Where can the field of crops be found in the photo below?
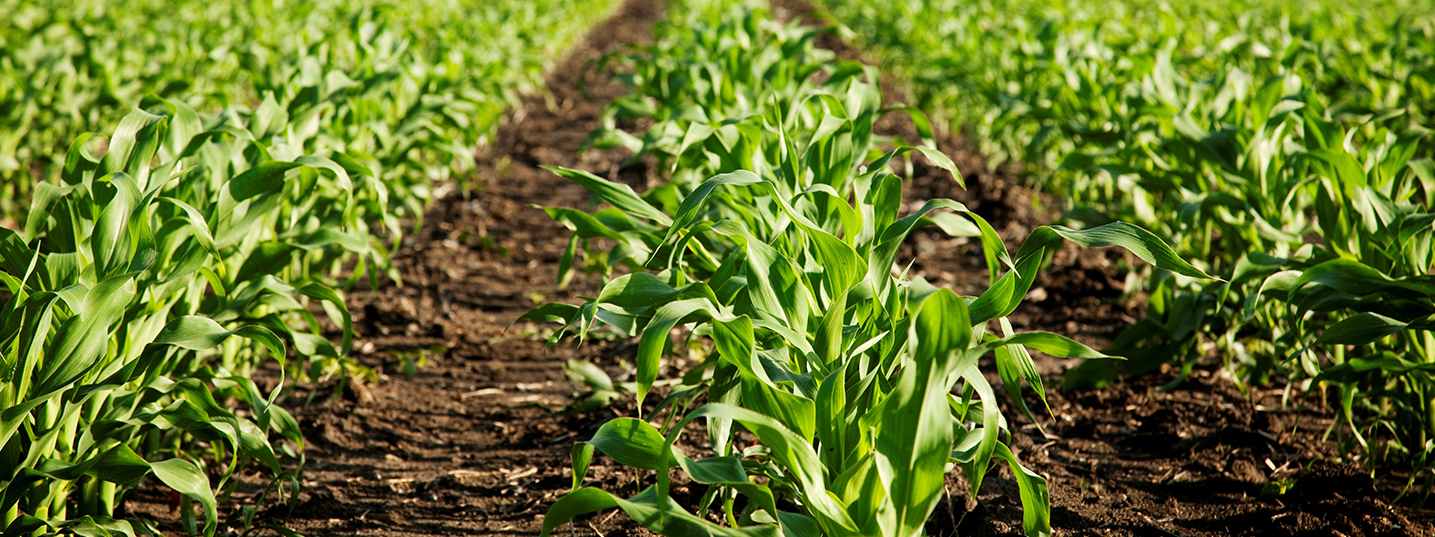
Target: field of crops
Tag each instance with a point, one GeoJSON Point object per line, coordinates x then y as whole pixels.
{"type": "Point", "coordinates": [707, 267]}
{"type": "Point", "coordinates": [1285, 150]}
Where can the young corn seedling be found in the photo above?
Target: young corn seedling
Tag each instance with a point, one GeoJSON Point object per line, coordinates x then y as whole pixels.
{"type": "Point", "coordinates": [426, 83]}
{"type": "Point", "coordinates": [856, 381]}
{"type": "Point", "coordinates": [1355, 309]}
{"type": "Point", "coordinates": [141, 298]}
{"type": "Point", "coordinates": [1266, 142]}
{"type": "Point", "coordinates": [138, 300]}
{"type": "Point", "coordinates": [860, 385]}
{"type": "Point", "coordinates": [1190, 120]}
{"type": "Point", "coordinates": [719, 65]}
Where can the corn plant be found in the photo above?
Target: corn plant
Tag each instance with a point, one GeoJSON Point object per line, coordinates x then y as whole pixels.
{"type": "Point", "coordinates": [1186, 119]}
{"type": "Point", "coordinates": [1353, 311]}
{"type": "Point", "coordinates": [860, 386]}
{"type": "Point", "coordinates": [1043, 79]}
{"type": "Point", "coordinates": [139, 299]}
{"type": "Point", "coordinates": [718, 65]}
{"type": "Point", "coordinates": [423, 83]}
{"type": "Point", "coordinates": [856, 382]}
{"type": "Point", "coordinates": [1284, 147]}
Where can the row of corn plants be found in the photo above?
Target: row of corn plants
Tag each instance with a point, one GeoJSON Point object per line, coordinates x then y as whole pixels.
{"type": "Point", "coordinates": [836, 389]}
{"type": "Point", "coordinates": [1285, 150]}
{"type": "Point", "coordinates": [415, 85]}
{"type": "Point", "coordinates": [276, 151]}
{"type": "Point", "coordinates": [141, 298]}
{"type": "Point", "coordinates": [1040, 80]}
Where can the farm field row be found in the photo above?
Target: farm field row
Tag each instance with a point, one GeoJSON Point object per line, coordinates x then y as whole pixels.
{"type": "Point", "coordinates": [414, 86]}
{"type": "Point", "coordinates": [261, 160]}
{"type": "Point", "coordinates": [773, 242]}
{"type": "Point", "coordinates": [1285, 149]}
{"type": "Point", "coordinates": [708, 270]}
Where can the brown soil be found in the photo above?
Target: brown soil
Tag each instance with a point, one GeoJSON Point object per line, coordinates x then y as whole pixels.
{"type": "Point", "coordinates": [1195, 461]}
{"type": "Point", "coordinates": [475, 441]}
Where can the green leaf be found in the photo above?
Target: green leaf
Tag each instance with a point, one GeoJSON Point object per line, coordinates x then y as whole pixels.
{"type": "Point", "coordinates": [269, 119]}
{"type": "Point", "coordinates": [575, 504]}
{"type": "Point", "coordinates": [1049, 343]}
{"type": "Point", "coordinates": [184, 477]}
{"type": "Point", "coordinates": [589, 374]}
{"type": "Point", "coordinates": [1347, 169]}
{"type": "Point", "coordinates": [42, 203]}
{"type": "Point", "coordinates": [688, 211]}
{"type": "Point", "coordinates": [346, 322]}
{"type": "Point", "coordinates": [16, 256]}
{"type": "Point", "coordinates": [787, 449]}
{"type": "Point", "coordinates": [1360, 329]}
{"type": "Point", "coordinates": [1035, 503]}
{"type": "Point", "coordinates": [198, 225]}
{"type": "Point", "coordinates": [81, 342]}
{"type": "Point", "coordinates": [111, 241]}
{"type": "Point", "coordinates": [914, 433]}
{"type": "Point", "coordinates": [631, 442]}
{"type": "Point", "coordinates": [618, 194]}
{"type": "Point", "coordinates": [1353, 277]}
{"type": "Point", "coordinates": [1144, 244]}
{"type": "Point", "coordinates": [551, 313]}
{"type": "Point", "coordinates": [582, 456]}
{"type": "Point", "coordinates": [268, 259]}
{"type": "Point", "coordinates": [656, 335]}
{"type": "Point", "coordinates": [261, 179]}
{"type": "Point", "coordinates": [134, 144]}
{"type": "Point", "coordinates": [641, 291]}
{"type": "Point", "coordinates": [940, 329]}
{"type": "Point", "coordinates": [192, 332]}
{"type": "Point", "coordinates": [714, 470]}
{"type": "Point", "coordinates": [661, 515]}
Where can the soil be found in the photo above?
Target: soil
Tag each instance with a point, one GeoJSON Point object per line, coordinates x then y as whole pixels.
{"type": "Point", "coordinates": [473, 438]}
